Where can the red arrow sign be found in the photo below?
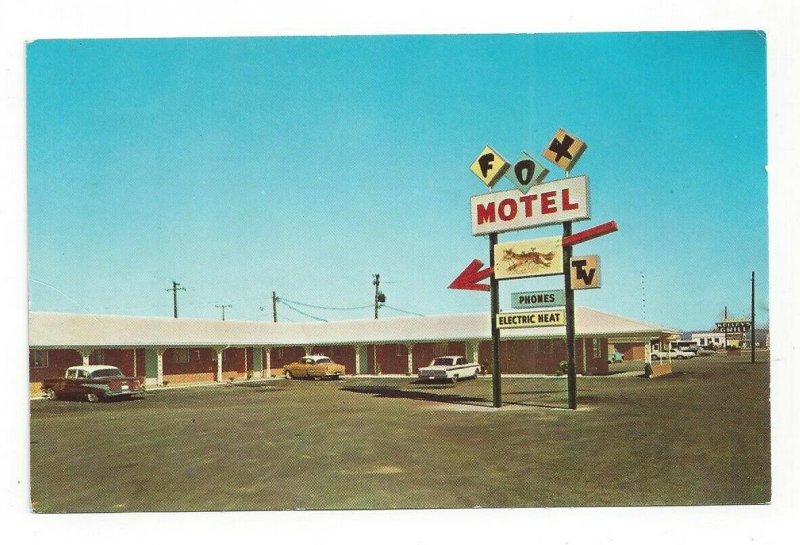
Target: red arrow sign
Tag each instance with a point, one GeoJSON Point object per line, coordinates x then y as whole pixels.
{"type": "Point", "coordinates": [469, 277]}
{"type": "Point", "coordinates": [589, 234]}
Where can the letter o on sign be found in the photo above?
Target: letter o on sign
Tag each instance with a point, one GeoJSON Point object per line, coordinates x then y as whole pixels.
{"type": "Point", "coordinates": [507, 209]}
{"type": "Point", "coordinates": [524, 170]}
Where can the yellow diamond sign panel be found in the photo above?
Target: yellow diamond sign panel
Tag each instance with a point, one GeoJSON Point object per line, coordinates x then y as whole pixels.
{"type": "Point", "coordinates": [564, 150]}
{"type": "Point", "coordinates": [489, 166]}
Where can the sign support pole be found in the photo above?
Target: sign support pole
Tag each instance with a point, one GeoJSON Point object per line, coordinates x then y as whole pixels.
{"type": "Point", "coordinates": [569, 299]}
{"type": "Point", "coordinates": [753, 317]}
{"type": "Point", "coordinates": [494, 286]}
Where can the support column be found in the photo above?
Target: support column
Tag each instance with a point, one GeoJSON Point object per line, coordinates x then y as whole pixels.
{"type": "Point", "coordinates": [584, 356]}
{"type": "Point", "coordinates": [219, 364]}
{"type": "Point", "coordinates": [358, 359]}
{"type": "Point", "coordinates": [475, 349]}
{"type": "Point", "coordinates": [85, 355]}
{"type": "Point", "coordinates": [410, 350]}
{"type": "Point", "coordinates": [160, 375]}
{"type": "Point", "coordinates": [269, 361]}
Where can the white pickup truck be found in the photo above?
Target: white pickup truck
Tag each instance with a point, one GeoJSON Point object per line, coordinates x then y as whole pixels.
{"type": "Point", "coordinates": [450, 368]}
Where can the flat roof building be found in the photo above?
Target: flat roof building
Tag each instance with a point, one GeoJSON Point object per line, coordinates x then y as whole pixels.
{"type": "Point", "coordinates": [195, 350]}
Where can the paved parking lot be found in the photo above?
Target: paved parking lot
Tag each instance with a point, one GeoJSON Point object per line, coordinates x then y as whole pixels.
{"type": "Point", "coordinates": [698, 437]}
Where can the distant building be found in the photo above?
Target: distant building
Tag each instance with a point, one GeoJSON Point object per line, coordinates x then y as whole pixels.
{"type": "Point", "coordinates": [735, 340]}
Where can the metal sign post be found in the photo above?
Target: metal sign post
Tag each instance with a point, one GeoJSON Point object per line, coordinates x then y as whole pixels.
{"type": "Point", "coordinates": [494, 287]}
{"type": "Point", "coordinates": [569, 297]}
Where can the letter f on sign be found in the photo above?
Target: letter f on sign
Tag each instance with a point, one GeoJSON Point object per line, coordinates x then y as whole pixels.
{"type": "Point", "coordinates": [485, 163]}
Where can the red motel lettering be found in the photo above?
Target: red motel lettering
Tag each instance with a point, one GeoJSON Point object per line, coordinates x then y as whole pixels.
{"type": "Point", "coordinates": [507, 209]}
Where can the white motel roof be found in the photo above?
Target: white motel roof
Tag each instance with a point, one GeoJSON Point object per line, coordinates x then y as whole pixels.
{"type": "Point", "coordinates": [54, 330]}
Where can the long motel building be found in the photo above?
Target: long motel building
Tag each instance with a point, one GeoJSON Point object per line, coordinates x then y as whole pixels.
{"type": "Point", "coordinates": [169, 351]}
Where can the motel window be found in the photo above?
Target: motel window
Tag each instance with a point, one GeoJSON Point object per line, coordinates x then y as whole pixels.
{"type": "Point", "coordinates": [596, 348]}
{"type": "Point", "coordinates": [97, 357]}
{"type": "Point", "coordinates": [40, 359]}
{"type": "Point", "coordinates": [400, 350]}
{"type": "Point", "coordinates": [440, 349]}
{"type": "Point", "coordinates": [181, 355]}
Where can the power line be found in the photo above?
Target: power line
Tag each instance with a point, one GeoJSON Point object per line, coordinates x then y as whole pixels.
{"type": "Point", "coordinates": [401, 310]}
{"type": "Point", "coordinates": [283, 301]}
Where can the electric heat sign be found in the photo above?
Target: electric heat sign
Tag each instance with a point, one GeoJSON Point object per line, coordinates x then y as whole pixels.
{"type": "Point", "coordinates": [544, 204]}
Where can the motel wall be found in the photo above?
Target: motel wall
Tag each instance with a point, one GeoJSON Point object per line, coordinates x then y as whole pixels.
{"type": "Point", "coordinates": [200, 364]}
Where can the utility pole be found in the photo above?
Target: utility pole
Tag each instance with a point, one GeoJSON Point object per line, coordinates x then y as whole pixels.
{"type": "Point", "coordinates": [174, 289]}
{"type": "Point", "coordinates": [379, 296]}
{"type": "Point", "coordinates": [753, 317]}
{"type": "Point", "coordinates": [223, 310]}
{"type": "Point", "coordinates": [726, 329]}
{"type": "Point", "coordinates": [274, 307]}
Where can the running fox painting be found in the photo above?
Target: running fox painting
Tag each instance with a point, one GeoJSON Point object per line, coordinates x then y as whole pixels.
{"type": "Point", "coordinates": [538, 257]}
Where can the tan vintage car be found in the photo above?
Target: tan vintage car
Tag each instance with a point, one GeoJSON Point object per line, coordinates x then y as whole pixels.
{"type": "Point", "coordinates": [316, 367]}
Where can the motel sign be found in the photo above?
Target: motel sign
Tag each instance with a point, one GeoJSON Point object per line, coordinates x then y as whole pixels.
{"type": "Point", "coordinates": [545, 204]}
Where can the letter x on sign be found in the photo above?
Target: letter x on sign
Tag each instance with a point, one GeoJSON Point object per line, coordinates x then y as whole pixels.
{"type": "Point", "coordinates": [564, 150]}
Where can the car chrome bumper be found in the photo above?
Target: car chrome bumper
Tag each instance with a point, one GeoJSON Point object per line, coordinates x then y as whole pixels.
{"type": "Point", "coordinates": [122, 393]}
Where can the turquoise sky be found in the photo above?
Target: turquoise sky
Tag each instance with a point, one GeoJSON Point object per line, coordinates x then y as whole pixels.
{"type": "Point", "coordinates": [243, 166]}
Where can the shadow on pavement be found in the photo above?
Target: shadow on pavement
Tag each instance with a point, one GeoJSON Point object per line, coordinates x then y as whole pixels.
{"type": "Point", "coordinates": [397, 393]}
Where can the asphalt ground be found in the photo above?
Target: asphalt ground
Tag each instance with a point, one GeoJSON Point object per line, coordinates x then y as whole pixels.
{"type": "Point", "coordinates": [698, 437]}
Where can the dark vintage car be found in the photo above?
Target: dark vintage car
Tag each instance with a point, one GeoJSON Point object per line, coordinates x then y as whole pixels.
{"type": "Point", "coordinates": [92, 383]}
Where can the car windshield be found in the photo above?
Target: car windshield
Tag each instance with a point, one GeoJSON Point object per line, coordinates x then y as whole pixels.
{"type": "Point", "coordinates": [322, 360]}
{"type": "Point", "coordinates": [100, 373]}
{"type": "Point", "coordinates": [443, 361]}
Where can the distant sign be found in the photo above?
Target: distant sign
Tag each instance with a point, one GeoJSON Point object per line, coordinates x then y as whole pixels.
{"type": "Point", "coordinates": [584, 272]}
{"type": "Point", "coordinates": [541, 318]}
{"type": "Point", "coordinates": [537, 299]}
{"type": "Point", "coordinates": [564, 150]}
{"type": "Point", "coordinates": [521, 259]}
{"type": "Point", "coordinates": [733, 327]}
{"type": "Point", "coordinates": [526, 173]}
{"type": "Point", "coordinates": [489, 166]}
{"type": "Point", "coordinates": [545, 204]}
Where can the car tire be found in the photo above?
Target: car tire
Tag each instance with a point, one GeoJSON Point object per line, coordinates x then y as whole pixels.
{"type": "Point", "coordinates": [49, 394]}
{"type": "Point", "coordinates": [92, 397]}
{"type": "Point", "coordinates": [287, 375]}
{"type": "Point", "coordinates": [454, 379]}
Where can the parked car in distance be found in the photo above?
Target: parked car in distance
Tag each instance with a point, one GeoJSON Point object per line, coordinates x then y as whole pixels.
{"type": "Point", "coordinates": [698, 350]}
{"type": "Point", "coordinates": [615, 357]}
{"type": "Point", "coordinates": [92, 383]}
{"type": "Point", "coordinates": [673, 354]}
{"type": "Point", "coordinates": [316, 367]}
{"type": "Point", "coordinates": [450, 368]}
